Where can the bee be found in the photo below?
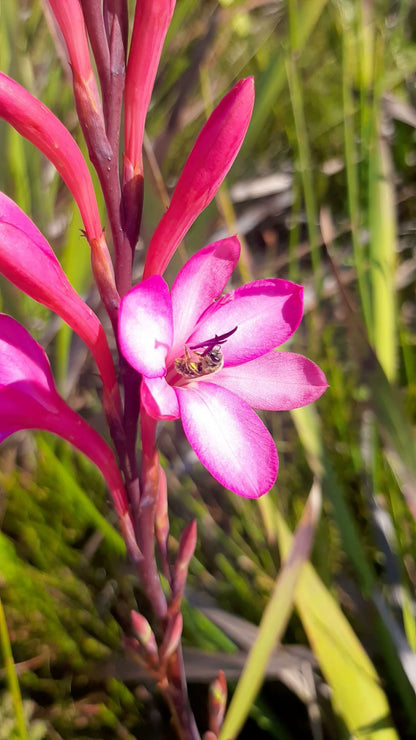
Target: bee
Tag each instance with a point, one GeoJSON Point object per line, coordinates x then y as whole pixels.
{"type": "Point", "coordinates": [197, 364]}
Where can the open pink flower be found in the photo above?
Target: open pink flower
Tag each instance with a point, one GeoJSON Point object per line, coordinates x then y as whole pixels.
{"type": "Point", "coordinates": [29, 400]}
{"type": "Point", "coordinates": [210, 359]}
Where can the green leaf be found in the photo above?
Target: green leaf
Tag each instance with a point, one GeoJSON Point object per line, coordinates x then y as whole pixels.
{"type": "Point", "coordinates": [274, 620]}
{"type": "Point", "coordinates": [355, 684]}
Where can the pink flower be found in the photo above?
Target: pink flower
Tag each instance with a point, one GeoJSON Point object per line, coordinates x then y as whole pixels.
{"type": "Point", "coordinates": [29, 400]}
{"type": "Point", "coordinates": [210, 359]}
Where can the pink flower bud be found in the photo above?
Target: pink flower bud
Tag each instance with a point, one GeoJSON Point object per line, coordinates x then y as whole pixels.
{"type": "Point", "coordinates": [151, 22]}
{"type": "Point", "coordinates": [172, 637]}
{"type": "Point", "coordinates": [70, 19]}
{"type": "Point", "coordinates": [186, 550]}
{"type": "Point", "coordinates": [208, 163]}
{"type": "Point", "coordinates": [144, 634]}
{"type": "Point", "coordinates": [161, 515]}
{"type": "Point", "coordinates": [217, 703]}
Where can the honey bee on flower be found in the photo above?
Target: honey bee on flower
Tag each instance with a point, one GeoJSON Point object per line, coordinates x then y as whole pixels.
{"type": "Point", "coordinates": [209, 361]}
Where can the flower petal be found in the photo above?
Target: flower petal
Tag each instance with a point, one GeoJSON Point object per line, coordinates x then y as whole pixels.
{"type": "Point", "coordinates": [29, 400]}
{"type": "Point", "coordinates": [266, 312]}
{"type": "Point", "coordinates": [145, 326]}
{"type": "Point", "coordinates": [38, 124]}
{"type": "Point", "coordinates": [277, 381]}
{"type": "Point", "coordinates": [21, 358]}
{"type": "Point", "coordinates": [159, 399]}
{"type": "Point", "coordinates": [208, 163]}
{"type": "Point", "coordinates": [199, 283]}
{"type": "Point", "coordinates": [51, 414]}
{"type": "Point", "coordinates": [228, 438]}
{"type": "Point", "coordinates": [27, 260]}
{"type": "Point", "coordinates": [22, 407]}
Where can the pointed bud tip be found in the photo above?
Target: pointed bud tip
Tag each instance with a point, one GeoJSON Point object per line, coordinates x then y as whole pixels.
{"type": "Point", "coordinates": [144, 633]}
{"type": "Point", "coordinates": [187, 543]}
{"type": "Point", "coordinates": [172, 636]}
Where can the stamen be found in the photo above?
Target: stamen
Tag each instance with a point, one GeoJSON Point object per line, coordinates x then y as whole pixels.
{"type": "Point", "coordinates": [210, 343]}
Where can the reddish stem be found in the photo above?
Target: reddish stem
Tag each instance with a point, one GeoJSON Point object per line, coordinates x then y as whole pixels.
{"type": "Point", "coordinates": [146, 516]}
{"type": "Point", "coordinates": [176, 694]}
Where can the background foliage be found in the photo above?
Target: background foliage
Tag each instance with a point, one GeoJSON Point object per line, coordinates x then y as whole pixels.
{"type": "Point", "coordinates": [323, 193]}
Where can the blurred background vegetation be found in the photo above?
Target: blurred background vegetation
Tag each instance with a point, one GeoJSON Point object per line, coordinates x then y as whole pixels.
{"type": "Point", "coordinates": [323, 192]}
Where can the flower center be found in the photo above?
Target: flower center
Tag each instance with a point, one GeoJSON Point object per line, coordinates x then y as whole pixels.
{"type": "Point", "coordinates": [197, 364]}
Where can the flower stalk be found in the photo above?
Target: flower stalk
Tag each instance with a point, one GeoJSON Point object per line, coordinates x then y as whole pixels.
{"type": "Point", "coordinates": [185, 351]}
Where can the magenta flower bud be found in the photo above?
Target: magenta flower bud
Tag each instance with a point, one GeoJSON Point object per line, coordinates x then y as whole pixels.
{"type": "Point", "coordinates": [70, 18]}
{"type": "Point", "coordinates": [27, 260]}
{"type": "Point", "coordinates": [36, 123]}
{"type": "Point", "coordinates": [208, 163]}
{"type": "Point", "coordinates": [29, 400]}
{"type": "Point", "coordinates": [151, 22]}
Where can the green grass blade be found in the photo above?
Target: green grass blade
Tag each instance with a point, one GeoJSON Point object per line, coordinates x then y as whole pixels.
{"type": "Point", "coordinates": [383, 257]}
{"type": "Point", "coordinates": [351, 166]}
{"type": "Point", "coordinates": [309, 429]}
{"type": "Point", "coordinates": [270, 85]}
{"type": "Point", "coordinates": [11, 676]}
{"type": "Point", "coordinates": [274, 620]}
{"type": "Point", "coordinates": [305, 165]}
{"type": "Point", "coordinates": [308, 426]}
{"type": "Point", "coordinates": [357, 693]}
